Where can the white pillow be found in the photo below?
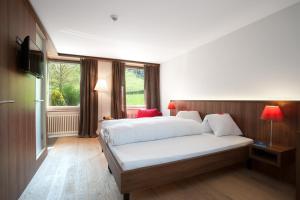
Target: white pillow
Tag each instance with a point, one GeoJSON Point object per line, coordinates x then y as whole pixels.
{"type": "Point", "coordinates": [205, 125]}
{"type": "Point", "coordinates": [223, 124]}
{"type": "Point", "coordinates": [194, 115]}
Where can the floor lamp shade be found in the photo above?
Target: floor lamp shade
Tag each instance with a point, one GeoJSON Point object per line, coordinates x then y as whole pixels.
{"type": "Point", "coordinates": [101, 85]}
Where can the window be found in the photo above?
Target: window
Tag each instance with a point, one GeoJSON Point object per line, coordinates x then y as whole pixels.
{"type": "Point", "coordinates": [134, 77]}
{"type": "Point", "coordinates": [64, 83]}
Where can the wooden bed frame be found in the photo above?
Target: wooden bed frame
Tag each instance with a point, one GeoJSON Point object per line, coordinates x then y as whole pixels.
{"type": "Point", "coordinates": [245, 113]}
{"type": "Point", "coordinates": [147, 177]}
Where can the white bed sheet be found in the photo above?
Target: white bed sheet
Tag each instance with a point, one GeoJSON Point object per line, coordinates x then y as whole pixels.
{"type": "Point", "coordinates": [142, 154]}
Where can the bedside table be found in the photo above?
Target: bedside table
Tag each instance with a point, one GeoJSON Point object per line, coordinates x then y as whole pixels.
{"type": "Point", "coordinates": [277, 156]}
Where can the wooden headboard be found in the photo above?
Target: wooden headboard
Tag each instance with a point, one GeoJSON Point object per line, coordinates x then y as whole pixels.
{"type": "Point", "coordinates": [247, 116]}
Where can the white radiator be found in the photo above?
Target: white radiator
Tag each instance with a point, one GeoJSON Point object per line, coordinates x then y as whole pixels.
{"type": "Point", "coordinates": [60, 124]}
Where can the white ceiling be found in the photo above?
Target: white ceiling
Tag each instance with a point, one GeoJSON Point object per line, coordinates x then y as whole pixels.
{"type": "Point", "coordinates": [147, 30]}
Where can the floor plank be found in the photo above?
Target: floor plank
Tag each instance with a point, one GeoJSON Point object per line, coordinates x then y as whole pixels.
{"type": "Point", "coordinates": [77, 169]}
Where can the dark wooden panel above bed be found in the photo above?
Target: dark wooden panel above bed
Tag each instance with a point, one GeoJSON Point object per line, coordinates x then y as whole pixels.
{"type": "Point", "coordinates": [247, 115]}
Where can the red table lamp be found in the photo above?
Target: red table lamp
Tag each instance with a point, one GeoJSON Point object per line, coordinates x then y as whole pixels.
{"type": "Point", "coordinates": [171, 106]}
{"type": "Point", "coordinates": [272, 113]}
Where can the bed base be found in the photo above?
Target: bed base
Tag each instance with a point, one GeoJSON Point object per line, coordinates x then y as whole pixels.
{"type": "Point", "coordinates": [147, 177]}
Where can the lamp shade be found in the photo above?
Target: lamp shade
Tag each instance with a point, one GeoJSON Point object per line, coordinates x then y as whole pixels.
{"type": "Point", "coordinates": [101, 85]}
{"type": "Point", "coordinates": [171, 106]}
{"type": "Point", "coordinates": [272, 113]}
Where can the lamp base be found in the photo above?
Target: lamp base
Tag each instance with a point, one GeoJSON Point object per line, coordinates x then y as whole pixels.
{"type": "Point", "coordinates": [271, 133]}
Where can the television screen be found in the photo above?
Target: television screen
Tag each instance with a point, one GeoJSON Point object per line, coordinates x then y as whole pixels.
{"type": "Point", "coordinates": [32, 58]}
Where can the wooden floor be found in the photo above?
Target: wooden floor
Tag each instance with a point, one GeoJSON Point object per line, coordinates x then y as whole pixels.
{"type": "Point", "coordinates": [76, 169]}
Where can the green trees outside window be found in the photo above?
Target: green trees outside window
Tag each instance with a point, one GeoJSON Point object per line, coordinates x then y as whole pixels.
{"type": "Point", "coordinates": [64, 83]}
{"type": "Point", "coordinates": [134, 78]}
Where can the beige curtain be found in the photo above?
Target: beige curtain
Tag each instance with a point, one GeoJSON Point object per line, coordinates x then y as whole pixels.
{"type": "Point", "coordinates": [118, 96]}
{"type": "Point", "coordinates": [152, 86]}
{"type": "Point", "coordinates": [88, 98]}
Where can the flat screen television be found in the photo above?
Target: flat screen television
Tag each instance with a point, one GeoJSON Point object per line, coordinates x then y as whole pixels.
{"type": "Point", "coordinates": [31, 58]}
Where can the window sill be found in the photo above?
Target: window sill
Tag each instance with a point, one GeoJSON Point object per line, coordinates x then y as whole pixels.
{"type": "Point", "coordinates": [135, 107]}
{"type": "Point", "coordinates": [63, 108]}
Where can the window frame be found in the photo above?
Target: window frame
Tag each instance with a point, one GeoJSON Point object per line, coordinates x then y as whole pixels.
{"type": "Point", "coordinates": [134, 107]}
{"type": "Point", "coordinates": [59, 108]}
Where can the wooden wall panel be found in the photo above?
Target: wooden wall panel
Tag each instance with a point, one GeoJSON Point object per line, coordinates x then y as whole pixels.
{"type": "Point", "coordinates": [298, 156]}
{"type": "Point", "coordinates": [247, 116]}
{"type": "Point", "coordinates": [21, 114]}
{"type": "Point", "coordinates": [3, 96]}
{"type": "Point", "coordinates": [298, 166]}
{"type": "Point", "coordinates": [17, 120]}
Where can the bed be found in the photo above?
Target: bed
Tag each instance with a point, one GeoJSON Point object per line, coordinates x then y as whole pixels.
{"type": "Point", "coordinates": [145, 154]}
{"type": "Point", "coordinates": [146, 164]}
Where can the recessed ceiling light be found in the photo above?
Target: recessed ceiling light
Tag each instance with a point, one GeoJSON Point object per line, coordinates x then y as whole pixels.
{"type": "Point", "coordinates": [114, 17]}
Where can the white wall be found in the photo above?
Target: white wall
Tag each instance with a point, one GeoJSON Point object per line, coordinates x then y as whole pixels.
{"type": "Point", "coordinates": [104, 98]}
{"type": "Point", "coordinates": [258, 62]}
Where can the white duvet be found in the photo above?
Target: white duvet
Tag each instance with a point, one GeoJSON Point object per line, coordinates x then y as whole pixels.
{"type": "Point", "coordinates": [107, 123]}
{"type": "Point", "coordinates": [119, 132]}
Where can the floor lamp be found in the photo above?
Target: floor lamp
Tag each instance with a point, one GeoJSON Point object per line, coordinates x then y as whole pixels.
{"type": "Point", "coordinates": [101, 86]}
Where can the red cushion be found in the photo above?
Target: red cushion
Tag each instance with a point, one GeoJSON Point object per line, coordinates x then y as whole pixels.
{"type": "Point", "coordinates": [148, 113]}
